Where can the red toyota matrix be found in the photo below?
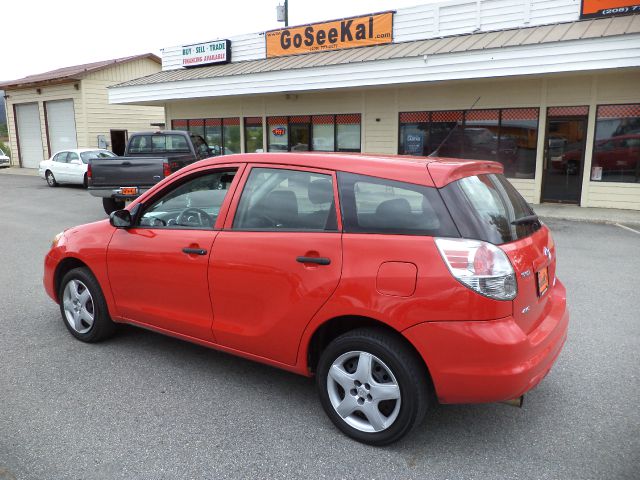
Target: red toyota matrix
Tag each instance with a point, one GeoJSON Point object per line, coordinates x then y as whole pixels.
{"type": "Point", "coordinates": [396, 282]}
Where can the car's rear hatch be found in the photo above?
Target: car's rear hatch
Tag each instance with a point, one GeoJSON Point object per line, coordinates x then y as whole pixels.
{"type": "Point", "coordinates": [126, 171]}
{"type": "Point", "coordinates": [487, 207]}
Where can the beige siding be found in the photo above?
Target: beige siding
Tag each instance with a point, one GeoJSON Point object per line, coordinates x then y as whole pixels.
{"type": "Point", "coordinates": [30, 95]}
{"type": "Point", "coordinates": [93, 114]}
{"type": "Point", "coordinates": [99, 117]}
{"type": "Point", "coordinates": [380, 108]}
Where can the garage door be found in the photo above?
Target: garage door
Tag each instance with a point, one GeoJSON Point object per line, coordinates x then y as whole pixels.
{"type": "Point", "coordinates": [62, 125]}
{"type": "Point", "coordinates": [29, 134]}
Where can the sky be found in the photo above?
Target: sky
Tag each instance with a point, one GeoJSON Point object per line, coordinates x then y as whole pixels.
{"type": "Point", "coordinates": [38, 36]}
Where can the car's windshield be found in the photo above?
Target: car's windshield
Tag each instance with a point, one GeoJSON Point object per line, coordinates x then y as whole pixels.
{"type": "Point", "coordinates": [86, 156]}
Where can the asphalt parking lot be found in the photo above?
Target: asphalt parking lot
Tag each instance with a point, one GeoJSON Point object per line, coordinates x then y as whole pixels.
{"type": "Point", "coordinates": [150, 407]}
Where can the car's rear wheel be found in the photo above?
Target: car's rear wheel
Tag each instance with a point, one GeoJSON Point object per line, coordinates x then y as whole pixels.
{"type": "Point", "coordinates": [111, 205]}
{"type": "Point", "coordinates": [51, 180]}
{"type": "Point", "coordinates": [83, 307]}
{"type": "Point", "coordinates": [372, 386]}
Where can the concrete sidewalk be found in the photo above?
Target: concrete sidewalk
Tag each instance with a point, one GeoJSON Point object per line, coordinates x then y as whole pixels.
{"type": "Point", "coordinates": [544, 210]}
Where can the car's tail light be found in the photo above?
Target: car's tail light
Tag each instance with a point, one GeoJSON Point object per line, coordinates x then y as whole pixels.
{"type": "Point", "coordinates": [166, 169]}
{"type": "Point", "coordinates": [480, 266]}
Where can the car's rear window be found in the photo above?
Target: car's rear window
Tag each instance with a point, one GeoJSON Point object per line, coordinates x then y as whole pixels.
{"type": "Point", "coordinates": [86, 156]}
{"type": "Point", "coordinates": [487, 207]}
{"type": "Point", "coordinates": [159, 144]}
{"type": "Point", "coordinates": [377, 205]}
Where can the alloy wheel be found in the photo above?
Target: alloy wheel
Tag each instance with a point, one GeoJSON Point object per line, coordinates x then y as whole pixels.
{"type": "Point", "coordinates": [78, 306]}
{"type": "Point", "coordinates": [364, 391]}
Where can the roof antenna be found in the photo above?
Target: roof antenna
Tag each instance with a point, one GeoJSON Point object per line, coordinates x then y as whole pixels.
{"type": "Point", "coordinates": [436, 152]}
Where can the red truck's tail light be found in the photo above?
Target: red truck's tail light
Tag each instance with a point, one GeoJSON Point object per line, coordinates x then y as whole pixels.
{"type": "Point", "coordinates": [166, 169]}
{"type": "Point", "coordinates": [89, 174]}
{"type": "Point", "coordinates": [480, 266]}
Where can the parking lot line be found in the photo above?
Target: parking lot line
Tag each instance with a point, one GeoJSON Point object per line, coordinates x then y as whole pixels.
{"type": "Point", "coordinates": [627, 228]}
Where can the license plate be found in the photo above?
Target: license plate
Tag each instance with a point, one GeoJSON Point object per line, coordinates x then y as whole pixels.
{"type": "Point", "coordinates": [129, 191]}
{"type": "Point", "coordinates": [543, 281]}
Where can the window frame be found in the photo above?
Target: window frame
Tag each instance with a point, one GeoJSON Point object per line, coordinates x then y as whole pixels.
{"type": "Point", "coordinates": [233, 207]}
{"type": "Point", "coordinates": [142, 206]}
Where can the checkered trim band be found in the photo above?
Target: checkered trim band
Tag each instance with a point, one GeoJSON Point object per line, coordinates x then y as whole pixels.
{"type": "Point", "coordinates": [520, 114]}
{"type": "Point", "coordinates": [348, 119]}
{"type": "Point", "coordinates": [196, 123]}
{"type": "Point", "coordinates": [277, 120]}
{"type": "Point", "coordinates": [567, 111]}
{"type": "Point", "coordinates": [178, 124]}
{"type": "Point", "coordinates": [475, 115]}
{"type": "Point", "coordinates": [619, 111]}
{"type": "Point", "coordinates": [253, 121]}
{"type": "Point", "coordinates": [300, 119]}
{"type": "Point", "coordinates": [213, 122]}
{"type": "Point", "coordinates": [414, 117]}
{"type": "Point", "coordinates": [322, 119]}
{"type": "Point", "coordinates": [448, 116]}
{"type": "Point", "coordinates": [231, 121]}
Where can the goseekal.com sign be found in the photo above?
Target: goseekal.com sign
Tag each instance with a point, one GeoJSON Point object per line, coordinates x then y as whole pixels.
{"type": "Point", "coordinates": [607, 8]}
{"type": "Point", "coordinates": [375, 29]}
{"type": "Point", "coordinates": [206, 53]}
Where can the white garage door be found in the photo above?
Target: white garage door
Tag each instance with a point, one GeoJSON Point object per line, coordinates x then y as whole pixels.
{"type": "Point", "coordinates": [62, 125]}
{"type": "Point", "coordinates": [29, 134]}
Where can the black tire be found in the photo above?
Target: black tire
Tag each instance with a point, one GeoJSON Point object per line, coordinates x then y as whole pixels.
{"type": "Point", "coordinates": [85, 181]}
{"type": "Point", "coordinates": [388, 353]}
{"type": "Point", "coordinates": [51, 179]}
{"type": "Point", "coordinates": [111, 205]}
{"type": "Point", "coordinates": [101, 327]}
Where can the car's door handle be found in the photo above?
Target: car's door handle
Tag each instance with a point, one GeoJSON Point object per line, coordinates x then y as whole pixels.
{"type": "Point", "coordinates": [194, 251]}
{"type": "Point", "coordinates": [318, 260]}
{"type": "Point", "coordinates": [126, 164]}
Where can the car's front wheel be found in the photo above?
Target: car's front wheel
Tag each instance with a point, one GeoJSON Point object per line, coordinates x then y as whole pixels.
{"type": "Point", "coordinates": [372, 386]}
{"type": "Point", "coordinates": [83, 307]}
{"type": "Point", "coordinates": [51, 180]}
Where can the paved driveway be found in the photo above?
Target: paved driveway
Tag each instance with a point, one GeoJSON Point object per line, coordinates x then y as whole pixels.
{"type": "Point", "coordinates": [151, 407]}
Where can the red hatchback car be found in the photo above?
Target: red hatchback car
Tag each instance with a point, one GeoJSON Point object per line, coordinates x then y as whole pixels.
{"type": "Point", "coordinates": [397, 282]}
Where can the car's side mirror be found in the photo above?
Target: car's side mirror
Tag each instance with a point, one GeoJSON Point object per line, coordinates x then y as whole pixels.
{"type": "Point", "coordinates": [121, 219]}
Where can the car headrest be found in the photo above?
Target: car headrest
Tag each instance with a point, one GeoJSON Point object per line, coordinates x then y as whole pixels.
{"type": "Point", "coordinates": [320, 191]}
{"type": "Point", "coordinates": [281, 205]}
{"type": "Point", "coordinates": [394, 209]}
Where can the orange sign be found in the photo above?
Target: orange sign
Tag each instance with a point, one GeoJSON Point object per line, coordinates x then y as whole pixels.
{"type": "Point", "coordinates": [375, 29]}
{"type": "Point", "coordinates": [607, 8]}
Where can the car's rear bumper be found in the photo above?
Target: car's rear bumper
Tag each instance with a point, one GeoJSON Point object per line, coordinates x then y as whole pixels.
{"type": "Point", "coordinates": [475, 362]}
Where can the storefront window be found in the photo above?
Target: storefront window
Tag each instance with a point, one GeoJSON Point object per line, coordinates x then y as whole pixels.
{"type": "Point", "coordinates": [278, 134]}
{"type": "Point", "coordinates": [213, 135]}
{"type": "Point", "coordinates": [518, 141]}
{"type": "Point", "coordinates": [323, 133]}
{"type": "Point", "coordinates": [180, 125]}
{"type": "Point", "coordinates": [300, 133]}
{"type": "Point", "coordinates": [253, 134]}
{"type": "Point", "coordinates": [348, 133]}
{"type": "Point", "coordinates": [616, 150]}
{"type": "Point", "coordinates": [508, 136]}
{"type": "Point", "coordinates": [231, 135]}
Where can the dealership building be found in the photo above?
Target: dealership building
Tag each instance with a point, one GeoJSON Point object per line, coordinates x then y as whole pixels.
{"type": "Point", "coordinates": [549, 88]}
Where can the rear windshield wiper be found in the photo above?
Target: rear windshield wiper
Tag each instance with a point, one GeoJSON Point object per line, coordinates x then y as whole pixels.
{"type": "Point", "coordinates": [527, 219]}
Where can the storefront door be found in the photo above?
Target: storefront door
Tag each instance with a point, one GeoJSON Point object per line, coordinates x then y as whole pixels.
{"type": "Point", "coordinates": [564, 159]}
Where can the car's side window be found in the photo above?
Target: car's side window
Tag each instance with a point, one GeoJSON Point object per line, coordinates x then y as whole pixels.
{"type": "Point", "coordinates": [61, 157]}
{"type": "Point", "coordinates": [72, 156]}
{"type": "Point", "coordinates": [193, 204]}
{"type": "Point", "coordinates": [377, 205]}
{"type": "Point", "coordinates": [280, 199]}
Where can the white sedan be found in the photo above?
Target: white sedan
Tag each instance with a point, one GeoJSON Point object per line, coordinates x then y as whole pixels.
{"type": "Point", "coordinates": [70, 166]}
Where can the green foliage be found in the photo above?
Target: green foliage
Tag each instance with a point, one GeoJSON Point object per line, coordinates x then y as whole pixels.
{"type": "Point", "coordinates": [3, 129]}
{"type": "Point", "coordinates": [5, 148]}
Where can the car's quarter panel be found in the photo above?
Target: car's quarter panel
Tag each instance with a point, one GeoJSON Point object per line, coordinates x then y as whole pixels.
{"type": "Point", "coordinates": [262, 296]}
{"type": "Point", "coordinates": [490, 361]}
{"type": "Point", "coordinates": [154, 282]}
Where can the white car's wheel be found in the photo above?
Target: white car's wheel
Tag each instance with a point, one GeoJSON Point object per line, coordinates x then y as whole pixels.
{"type": "Point", "coordinates": [51, 180]}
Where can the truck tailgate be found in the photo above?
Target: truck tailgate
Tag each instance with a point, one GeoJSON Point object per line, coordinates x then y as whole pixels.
{"type": "Point", "coordinates": [126, 171]}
